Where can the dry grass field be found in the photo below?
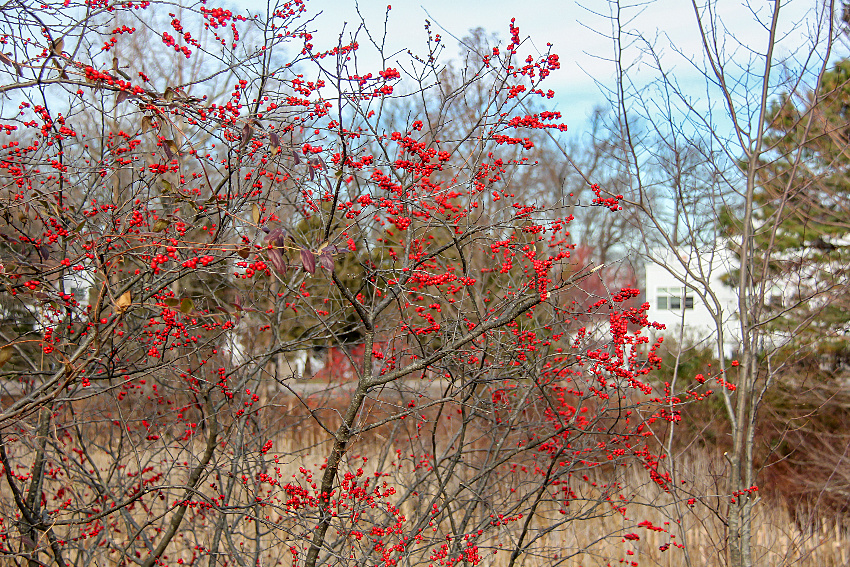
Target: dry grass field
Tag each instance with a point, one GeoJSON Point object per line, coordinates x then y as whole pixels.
{"type": "Point", "coordinates": [593, 540]}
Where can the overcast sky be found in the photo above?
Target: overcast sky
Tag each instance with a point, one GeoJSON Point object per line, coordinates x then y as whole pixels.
{"type": "Point", "coordinates": [579, 30]}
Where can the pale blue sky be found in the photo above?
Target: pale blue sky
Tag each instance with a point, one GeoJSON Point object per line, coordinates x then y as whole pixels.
{"type": "Point", "coordinates": [578, 29]}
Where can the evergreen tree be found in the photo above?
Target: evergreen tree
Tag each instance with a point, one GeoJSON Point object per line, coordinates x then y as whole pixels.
{"type": "Point", "coordinates": [802, 216]}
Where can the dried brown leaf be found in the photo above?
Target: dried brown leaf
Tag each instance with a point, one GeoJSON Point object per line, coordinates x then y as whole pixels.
{"type": "Point", "coordinates": [170, 149]}
{"type": "Point", "coordinates": [57, 46]}
{"type": "Point", "coordinates": [6, 354]}
{"type": "Point", "coordinates": [123, 302]}
{"type": "Point", "coordinates": [62, 72]}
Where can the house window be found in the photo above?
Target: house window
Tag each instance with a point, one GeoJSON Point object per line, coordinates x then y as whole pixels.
{"type": "Point", "coordinates": [672, 298]}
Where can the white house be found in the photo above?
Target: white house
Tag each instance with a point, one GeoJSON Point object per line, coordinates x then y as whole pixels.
{"type": "Point", "coordinates": [686, 291]}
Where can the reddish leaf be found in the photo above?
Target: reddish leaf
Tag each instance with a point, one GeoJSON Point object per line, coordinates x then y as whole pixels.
{"type": "Point", "coordinates": [326, 261]}
{"type": "Point", "coordinates": [276, 236]}
{"type": "Point", "coordinates": [276, 239]}
{"type": "Point", "coordinates": [277, 260]}
{"type": "Point", "coordinates": [308, 260]}
{"type": "Point", "coordinates": [247, 132]}
{"type": "Point", "coordinates": [237, 313]}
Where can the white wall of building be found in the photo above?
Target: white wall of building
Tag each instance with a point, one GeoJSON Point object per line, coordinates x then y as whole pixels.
{"type": "Point", "coordinates": [679, 301]}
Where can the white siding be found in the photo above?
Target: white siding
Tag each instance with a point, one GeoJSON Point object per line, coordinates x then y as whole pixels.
{"type": "Point", "coordinates": [666, 273]}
